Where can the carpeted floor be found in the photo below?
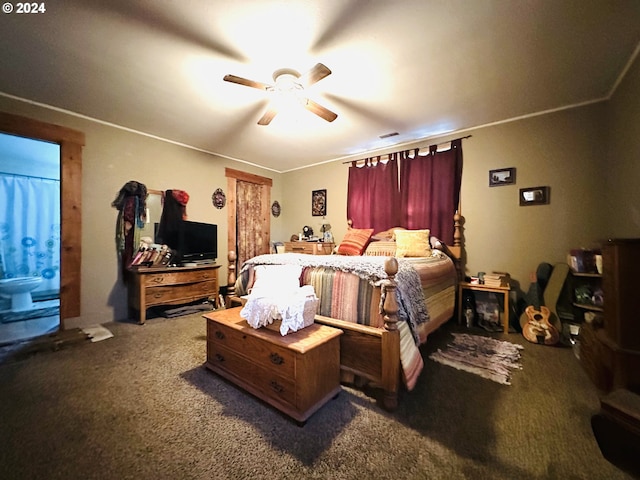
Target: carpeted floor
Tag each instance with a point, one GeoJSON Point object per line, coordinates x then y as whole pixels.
{"type": "Point", "coordinates": [140, 405]}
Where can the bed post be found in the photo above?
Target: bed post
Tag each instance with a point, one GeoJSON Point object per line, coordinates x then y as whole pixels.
{"type": "Point", "coordinates": [389, 309]}
{"type": "Point", "coordinates": [231, 276]}
{"type": "Point", "coordinates": [391, 339]}
{"type": "Point", "coordinates": [457, 231]}
{"type": "Point", "coordinates": [456, 248]}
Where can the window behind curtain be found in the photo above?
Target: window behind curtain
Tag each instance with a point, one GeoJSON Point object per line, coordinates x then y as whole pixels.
{"type": "Point", "coordinates": [373, 199]}
{"type": "Point", "coordinates": [430, 190]}
{"type": "Point", "coordinates": [427, 197]}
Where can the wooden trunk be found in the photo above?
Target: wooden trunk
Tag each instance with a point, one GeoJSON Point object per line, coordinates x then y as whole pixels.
{"type": "Point", "coordinates": [296, 373]}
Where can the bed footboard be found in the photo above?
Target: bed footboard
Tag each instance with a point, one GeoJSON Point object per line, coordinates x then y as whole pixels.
{"type": "Point", "coordinates": [370, 352]}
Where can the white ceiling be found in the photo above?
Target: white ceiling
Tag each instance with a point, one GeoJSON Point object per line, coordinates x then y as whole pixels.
{"type": "Point", "coordinates": [418, 67]}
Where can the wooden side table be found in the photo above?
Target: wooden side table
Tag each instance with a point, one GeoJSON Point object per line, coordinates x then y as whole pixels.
{"type": "Point", "coordinates": [473, 287]}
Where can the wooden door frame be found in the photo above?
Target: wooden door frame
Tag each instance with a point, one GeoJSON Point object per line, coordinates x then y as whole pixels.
{"type": "Point", "coordinates": [71, 143]}
{"type": "Point", "coordinates": [232, 179]}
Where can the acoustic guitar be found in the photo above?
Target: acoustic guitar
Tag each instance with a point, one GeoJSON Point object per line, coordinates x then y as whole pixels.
{"type": "Point", "coordinates": [537, 328]}
{"type": "Point", "coordinates": [540, 324]}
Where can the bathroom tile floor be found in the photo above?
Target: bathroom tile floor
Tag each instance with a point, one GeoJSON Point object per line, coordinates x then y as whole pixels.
{"type": "Point", "coordinates": [13, 329]}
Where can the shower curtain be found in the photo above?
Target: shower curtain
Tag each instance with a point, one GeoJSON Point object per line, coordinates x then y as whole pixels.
{"type": "Point", "coordinates": [30, 229]}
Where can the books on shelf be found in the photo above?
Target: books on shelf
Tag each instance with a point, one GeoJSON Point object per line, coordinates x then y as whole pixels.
{"type": "Point", "coordinates": [497, 279]}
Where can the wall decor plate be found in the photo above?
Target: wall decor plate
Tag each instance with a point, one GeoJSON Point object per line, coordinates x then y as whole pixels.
{"type": "Point", "coordinates": [275, 209]}
{"type": "Point", "coordinates": [218, 198]}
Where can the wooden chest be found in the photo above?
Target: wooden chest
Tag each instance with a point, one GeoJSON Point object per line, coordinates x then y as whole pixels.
{"type": "Point", "coordinates": [296, 373]}
{"type": "Point", "coordinates": [310, 248]}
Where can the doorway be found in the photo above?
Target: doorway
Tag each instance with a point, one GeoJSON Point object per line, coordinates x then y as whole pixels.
{"type": "Point", "coordinates": [30, 237]}
{"type": "Point", "coordinates": [71, 143]}
{"type": "Point", "coordinates": [237, 207]}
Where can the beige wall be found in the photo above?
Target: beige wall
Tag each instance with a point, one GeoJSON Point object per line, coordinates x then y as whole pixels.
{"type": "Point", "coordinates": [112, 157]}
{"type": "Point", "coordinates": [622, 169]}
{"type": "Point", "coordinates": [562, 150]}
{"type": "Point", "coordinates": [296, 205]}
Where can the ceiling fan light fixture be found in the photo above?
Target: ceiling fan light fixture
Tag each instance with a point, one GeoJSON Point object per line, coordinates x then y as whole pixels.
{"type": "Point", "coordinates": [288, 91]}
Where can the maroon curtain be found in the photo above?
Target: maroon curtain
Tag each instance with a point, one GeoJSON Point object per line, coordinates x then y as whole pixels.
{"type": "Point", "coordinates": [430, 190]}
{"type": "Point", "coordinates": [373, 198]}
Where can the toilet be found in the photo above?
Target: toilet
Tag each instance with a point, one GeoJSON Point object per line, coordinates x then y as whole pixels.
{"type": "Point", "coordinates": [19, 290]}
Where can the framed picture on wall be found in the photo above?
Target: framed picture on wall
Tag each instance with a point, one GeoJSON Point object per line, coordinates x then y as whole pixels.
{"type": "Point", "coordinates": [503, 176]}
{"type": "Point", "coordinates": [319, 203]}
{"type": "Point", "coordinates": [534, 196]}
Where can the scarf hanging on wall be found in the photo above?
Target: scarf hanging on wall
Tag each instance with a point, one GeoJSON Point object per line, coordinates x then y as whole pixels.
{"type": "Point", "coordinates": [131, 203]}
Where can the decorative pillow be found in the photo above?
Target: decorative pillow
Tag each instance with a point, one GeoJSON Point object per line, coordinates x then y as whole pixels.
{"type": "Point", "coordinates": [355, 241]}
{"type": "Point", "coordinates": [413, 243]}
{"type": "Point", "coordinates": [271, 280]}
{"type": "Point", "coordinates": [381, 249]}
{"type": "Point", "coordinates": [386, 235]}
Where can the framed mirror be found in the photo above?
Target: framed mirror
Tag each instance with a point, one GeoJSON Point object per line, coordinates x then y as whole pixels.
{"type": "Point", "coordinates": [154, 210]}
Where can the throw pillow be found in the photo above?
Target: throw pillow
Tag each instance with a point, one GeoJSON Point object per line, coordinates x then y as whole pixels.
{"type": "Point", "coordinates": [355, 241]}
{"type": "Point", "coordinates": [413, 243]}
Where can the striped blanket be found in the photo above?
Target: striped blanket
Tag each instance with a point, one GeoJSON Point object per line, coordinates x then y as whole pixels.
{"type": "Point", "coordinates": [339, 279]}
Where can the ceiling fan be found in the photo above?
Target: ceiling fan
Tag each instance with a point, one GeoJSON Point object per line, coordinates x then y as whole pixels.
{"type": "Point", "coordinates": [289, 83]}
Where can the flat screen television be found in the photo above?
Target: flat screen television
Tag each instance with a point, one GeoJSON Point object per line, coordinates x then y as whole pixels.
{"type": "Point", "coordinates": [192, 241]}
{"type": "Point", "coordinates": [198, 242]}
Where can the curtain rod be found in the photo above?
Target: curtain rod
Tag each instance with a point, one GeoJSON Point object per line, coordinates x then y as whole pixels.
{"type": "Point", "coordinates": [418, 148]}
{"type": "Point", "coordinates": [22, 175]}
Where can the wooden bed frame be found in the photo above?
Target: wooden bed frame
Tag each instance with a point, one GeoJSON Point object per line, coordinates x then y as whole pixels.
{"type": "Point", "coordinates": [360, 345]}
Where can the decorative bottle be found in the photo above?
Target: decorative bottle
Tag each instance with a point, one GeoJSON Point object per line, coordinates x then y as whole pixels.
{"type": "Point", "coordinates": [468, 311]}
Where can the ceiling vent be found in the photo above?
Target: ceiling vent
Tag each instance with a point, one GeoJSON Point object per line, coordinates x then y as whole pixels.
{"type": "Point", "coordinates": [387, 135]}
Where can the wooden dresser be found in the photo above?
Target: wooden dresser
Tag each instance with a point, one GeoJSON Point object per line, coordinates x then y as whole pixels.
{"type": "Point", "coordinates": [310, 248]}
{"type": "Point", "coordinates": [296, 373]}
{"type": "Point", "coordinates": [611, 354]}
{"type": "Point", "coordinates": [149, 287]}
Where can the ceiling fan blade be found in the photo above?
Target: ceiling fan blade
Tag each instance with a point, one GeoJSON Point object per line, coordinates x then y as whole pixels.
{"type": "Point", "coordinates": [246, 82]}
{"type": "Point", "coordinates": [268, 116]}
{"type": "Point", "coordinates": [321, 111]}
{"type": "Point", "coordinates": [314, 75]}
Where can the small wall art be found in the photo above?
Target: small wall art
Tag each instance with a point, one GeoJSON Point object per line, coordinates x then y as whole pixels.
{"type": "Point", "coordinates": [319, 203]}
{"type": "Point", "coordinates": [502, 176]}
{"type": "Point", "coordinates": [276, 209]}
{"type": "Point", "coordinates": [534, 196]}
{"type": "Point", "coordinates": [219, 199]}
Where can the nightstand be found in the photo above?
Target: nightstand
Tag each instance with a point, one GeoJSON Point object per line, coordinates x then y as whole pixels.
{"type": "Point", "coordinates": [473, 287]}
